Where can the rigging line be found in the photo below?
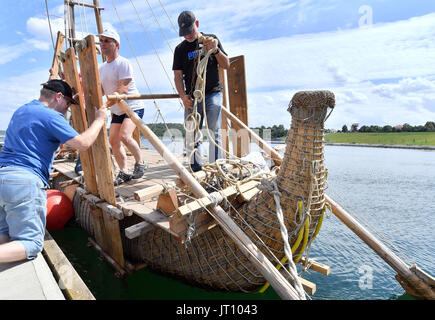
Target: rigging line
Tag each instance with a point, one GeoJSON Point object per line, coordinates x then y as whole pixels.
{"type": "Point", "coordinates": [49, 24]}
{"type": "Point", "coordinates": [152, 44]}
{"type": "Point", "coordinates": [170, 21]}
{"type": "Point", "coordinates": [137, 61]}
{"type": "Point", "coordinates": [81, 23]}
{"type": "Point", "coordinates": [160, 27]}
{"type": "Point", "coordinates": [84, 15]}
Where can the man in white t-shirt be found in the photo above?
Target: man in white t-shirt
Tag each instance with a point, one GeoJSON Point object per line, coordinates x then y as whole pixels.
{"type": "Point", "coordinates": [116, 75]}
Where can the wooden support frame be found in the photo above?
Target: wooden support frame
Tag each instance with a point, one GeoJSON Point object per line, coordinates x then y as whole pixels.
{"type": "Point", "coordinates": [57, 50]}
{"type": "Point", "coordinates": [112, 243]}
{"type": "Point", "coordinates": [78, 114]}
{"type": "Point", "coordinates": [238, 99]}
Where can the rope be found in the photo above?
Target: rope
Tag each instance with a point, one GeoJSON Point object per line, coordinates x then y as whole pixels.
{"type": "Point", "coordinates": [140, 68]}
{"type": "Point", "coordinates": [272, 188]}
{"type": "Point", "coordinates": [49, 24]}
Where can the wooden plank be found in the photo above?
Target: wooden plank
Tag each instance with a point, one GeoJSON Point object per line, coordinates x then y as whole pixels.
{"type": "Point", "coordinates": [224, 123]}
{"type": "Point", "coordinates": [57, 50]}
{"type": "Point", "coordinates": [238, 102]}
{"type": "Point", "coordinates": [229, 192]}
{"type": "Point", "coordinates": [74, 287]}
{"type": "Point", "coordinates": [101, 154]}
{"type": "Point", "coordinates": [316, 266]}
{"type": "Point", "coordinates": [147, 211]}
{"type": "Point", "coordinates": [93, 98]}
{"type": "Point", "coordinates": [138, 229]}
{"type": "Point", "coordinates": [308, 286]}
{"type": "Point", "coordinates": [69, 61]}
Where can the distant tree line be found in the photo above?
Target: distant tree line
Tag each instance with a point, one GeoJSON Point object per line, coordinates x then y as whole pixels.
{"type": "Point", "coordinates": [160, 128]}
{"type": "Point", "coordinates": [428, 127]}
{"type": "Point", "coordinates": [275, 132]}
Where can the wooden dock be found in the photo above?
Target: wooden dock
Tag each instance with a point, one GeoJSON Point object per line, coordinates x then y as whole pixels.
{"type": "Point", "coordinates": [28, 280]}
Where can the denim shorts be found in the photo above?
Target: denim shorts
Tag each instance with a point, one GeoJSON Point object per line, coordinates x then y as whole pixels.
{"type": "Point", "coordinates": [119, 119]}
{"type": "Point", "coordinates": [23, 208]}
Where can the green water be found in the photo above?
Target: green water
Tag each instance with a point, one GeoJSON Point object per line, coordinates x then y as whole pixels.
{"type": "Point", "coordinates": [143, 284]}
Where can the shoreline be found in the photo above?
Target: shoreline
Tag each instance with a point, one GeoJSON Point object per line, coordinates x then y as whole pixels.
{"type": "Point", "coordinates": [388, 146]}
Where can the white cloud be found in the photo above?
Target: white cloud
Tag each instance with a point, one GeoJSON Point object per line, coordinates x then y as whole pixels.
{"type": "Point", "coordinates": [406, 86]}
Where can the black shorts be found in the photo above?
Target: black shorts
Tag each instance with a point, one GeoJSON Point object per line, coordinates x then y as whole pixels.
{"type": "Point", "coordinates": [119, 119]}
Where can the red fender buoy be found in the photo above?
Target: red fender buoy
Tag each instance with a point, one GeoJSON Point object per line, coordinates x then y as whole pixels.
{"type": "Point", "coordinates": [59, 209]}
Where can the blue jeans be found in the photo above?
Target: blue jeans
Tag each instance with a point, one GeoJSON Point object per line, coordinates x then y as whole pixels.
{"type": "Point", "coordinates": [213, 103]}
{"type": "Point", "coordinates": [23, 208]}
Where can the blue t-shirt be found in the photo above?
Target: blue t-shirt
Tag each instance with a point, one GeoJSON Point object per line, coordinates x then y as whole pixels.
{"type": "Point", "coordinates": [33, 135]}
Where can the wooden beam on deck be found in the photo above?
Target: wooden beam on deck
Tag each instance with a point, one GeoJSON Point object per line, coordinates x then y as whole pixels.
{"type": "Point", "coordinates": [101, 153]}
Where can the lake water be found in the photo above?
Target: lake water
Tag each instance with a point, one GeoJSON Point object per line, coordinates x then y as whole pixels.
{"type": "Point", "coordinates": [393, 189]}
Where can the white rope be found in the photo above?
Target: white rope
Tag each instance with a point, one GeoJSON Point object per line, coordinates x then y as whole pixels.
{"type": "Point", "coordinates": [272, 188]}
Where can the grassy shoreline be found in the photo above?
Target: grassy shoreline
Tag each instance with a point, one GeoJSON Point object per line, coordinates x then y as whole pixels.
{"type": "Point", "coordinates": [384, 138]}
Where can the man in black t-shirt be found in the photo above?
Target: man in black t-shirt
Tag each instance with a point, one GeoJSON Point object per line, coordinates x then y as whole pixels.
{"type": "Point", "coordinates": [186, 57]}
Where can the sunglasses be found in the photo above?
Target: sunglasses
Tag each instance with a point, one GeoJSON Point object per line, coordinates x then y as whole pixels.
{"type": "Point", "coordinates": [106, 40]}
{"type": "Point", "coordinates": [68, 102]}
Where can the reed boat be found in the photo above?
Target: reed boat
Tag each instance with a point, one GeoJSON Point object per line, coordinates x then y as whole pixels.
{"type": "Point", "coordinates": [235, 225]}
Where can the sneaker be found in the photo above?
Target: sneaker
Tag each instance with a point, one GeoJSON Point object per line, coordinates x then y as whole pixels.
{"type": "Point", "coordinates": [139, 169]}
{"type": "Point", "coordinates": [121, 178]}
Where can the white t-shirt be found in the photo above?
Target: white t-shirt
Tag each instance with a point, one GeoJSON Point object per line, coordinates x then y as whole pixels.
{"type": "Point", "coordinates": [111, 73]}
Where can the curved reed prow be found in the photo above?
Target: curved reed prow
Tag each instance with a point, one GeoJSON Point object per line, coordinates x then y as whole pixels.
{"type": "Point", "coordinates": [301, 179]}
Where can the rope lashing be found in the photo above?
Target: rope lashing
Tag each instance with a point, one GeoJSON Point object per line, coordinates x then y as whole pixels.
{"type": "Point", "coordinates": [272, 188]}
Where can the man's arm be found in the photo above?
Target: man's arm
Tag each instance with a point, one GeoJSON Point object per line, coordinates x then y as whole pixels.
{"type": "Point", "coordinates": [179, 85]}
{"type": "Point", "coordinates": [84, 140]}
{"type": "Point", "coordinates": [221, 57]}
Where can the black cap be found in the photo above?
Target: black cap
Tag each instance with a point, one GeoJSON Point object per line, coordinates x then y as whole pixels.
{"type": "Point", "coordinates": [60, 86]}
{"type": "Point", "coordinates": [186, 20]}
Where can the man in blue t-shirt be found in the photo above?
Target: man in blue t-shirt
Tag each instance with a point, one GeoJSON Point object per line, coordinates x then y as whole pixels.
{"type": "Point", "coordinates": [34, 133]}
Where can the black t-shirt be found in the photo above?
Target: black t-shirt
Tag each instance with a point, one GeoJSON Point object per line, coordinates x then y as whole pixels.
{"type": "Point", "coordinates": [184, 59]}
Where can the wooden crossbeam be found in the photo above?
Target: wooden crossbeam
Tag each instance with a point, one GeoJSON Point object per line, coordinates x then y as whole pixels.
{"type": "Point", "coordinates": [229, 192]}
{"type": "Point", "coordinates": [138, 229]}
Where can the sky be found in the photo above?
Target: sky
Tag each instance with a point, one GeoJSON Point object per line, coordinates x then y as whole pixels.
{"type": "Point", "coordinates": [376, 56]}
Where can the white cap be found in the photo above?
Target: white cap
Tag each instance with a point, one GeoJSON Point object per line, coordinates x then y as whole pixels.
{"type": "Point", "coordinates": [110, 33]}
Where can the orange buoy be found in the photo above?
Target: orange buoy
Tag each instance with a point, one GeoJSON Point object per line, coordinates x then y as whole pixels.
{"type": "Point", "coordinates": [59, 209]}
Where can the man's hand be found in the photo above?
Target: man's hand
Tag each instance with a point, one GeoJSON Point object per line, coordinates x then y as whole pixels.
{"type": "Point", "coordinates": [187, 101]}
{"type": "Point", "coordinates": [209, 43]}
{"type": "Point", "coordinates": [102, 113]}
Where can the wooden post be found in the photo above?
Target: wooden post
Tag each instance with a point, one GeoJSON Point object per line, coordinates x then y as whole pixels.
{"type": "Point", "coordinates": [80, 124]}
{"type": "Point", "coordinates": [238, 102]}
{"type": "Point", "coordinates": [72, 29]}
{"type": "Point", "coordinates": [58, 49]}
{"type": "Point", "coordinates": [264, 266]}
{"type": "Point", "coordinates": [100, 150]}
{"type": "Point", "coordinates": [224, 123]}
